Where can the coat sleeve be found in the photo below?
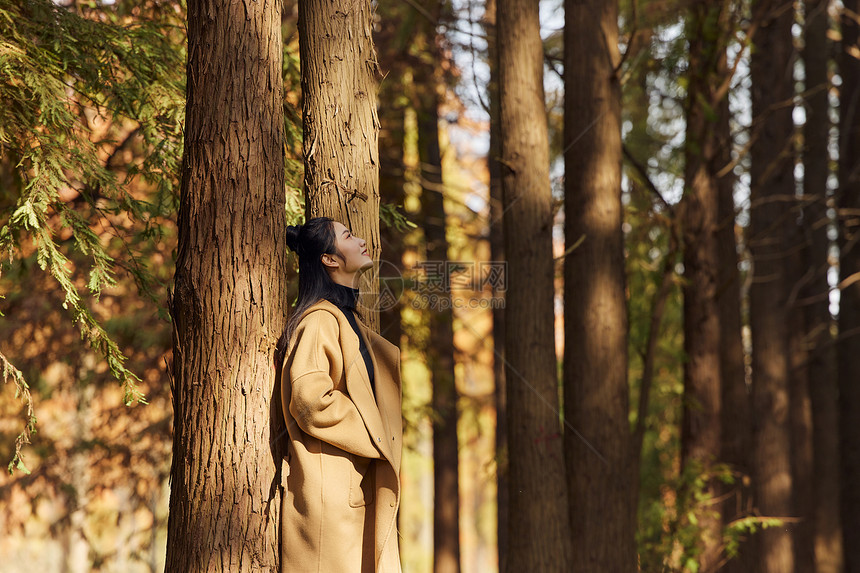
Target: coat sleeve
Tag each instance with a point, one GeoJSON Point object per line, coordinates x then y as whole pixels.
{"type": "Point", "coordinates": [315, 402]}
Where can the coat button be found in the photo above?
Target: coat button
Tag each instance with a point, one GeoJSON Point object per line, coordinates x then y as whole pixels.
{"type": "Point", "coordinates": [393, 503]}
{"type": "Point", "coordinates": [378, 439]}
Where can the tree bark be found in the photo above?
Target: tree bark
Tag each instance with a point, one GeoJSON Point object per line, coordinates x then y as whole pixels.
{"type": "Point", "coordinates": [229, 301]}
{"type": "Point", "coordinates": [771, 200]}
{"type": "Point", "coordinates": [497, 251]}
{"type": "Point", "coordinates": [595, 357]}
{"type": "Point", "coordinates": [848, 346]}
{"type": "Point", "coordinates": [701, 432]}
{"type": "Point", "coordinates": [340, 125]}
{"type": "Point", "coordinates": [816, 293]}
{"type": "Point", "coordinates": [539, 538]}
{"type": "Point", "coordinates": [440, 317]}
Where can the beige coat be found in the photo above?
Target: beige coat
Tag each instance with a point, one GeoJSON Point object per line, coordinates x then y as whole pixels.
{"type": "Point", "coordinates": [343, 486]}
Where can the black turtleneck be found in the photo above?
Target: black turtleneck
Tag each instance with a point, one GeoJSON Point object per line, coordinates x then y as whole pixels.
{"type": "Point", "coordinates": [345, 299]}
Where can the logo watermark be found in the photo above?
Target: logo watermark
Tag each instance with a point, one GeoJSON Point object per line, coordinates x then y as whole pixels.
{"type": "Point", "coordinates": [441, 285]}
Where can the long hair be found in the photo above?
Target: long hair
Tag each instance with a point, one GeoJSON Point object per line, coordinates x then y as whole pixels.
{"type": "Point", "coordinates": [310, 241]}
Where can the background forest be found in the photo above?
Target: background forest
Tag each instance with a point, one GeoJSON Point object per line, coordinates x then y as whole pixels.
{"type": "Point", "coordinates": [637, 302]}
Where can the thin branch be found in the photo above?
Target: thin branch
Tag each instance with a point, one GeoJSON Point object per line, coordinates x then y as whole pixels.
{"type": "Point", "coordinates": [22, 390]}
{"type": "Point", "coordinates": [643, 173]}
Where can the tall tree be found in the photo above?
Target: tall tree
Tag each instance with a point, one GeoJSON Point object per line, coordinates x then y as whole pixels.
{"type": "Point", "coordinates": [392, 130]}
{"type": "Point", "coordinates": [427, 94]}
{"type": "Point", "coordinates": [708, 31]}
{"type": "Point", "coordinates": [815, 292]}
{"type": "Point", "coordinates": [497, 252]}
{"type": "Point", "coordinates": [597, 431]}
{"type": "Point", "coordinates": [848, 347]}
{"type": "Point", "coordinates": [340, 122]}
{"type": "Point", "coordinates": [229, 301]}
{"type": "Point", "coordinates": [800, 270]}
{"type": "Point", "coordinates": [771, 200]}
{"type": "Point", "coordinates": [800, 407]}
{"type": "Point", "coordinates": [539, 538]}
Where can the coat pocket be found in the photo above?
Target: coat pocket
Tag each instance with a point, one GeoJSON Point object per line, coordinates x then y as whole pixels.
{"type": "Point", "coordinates": [360, 481]}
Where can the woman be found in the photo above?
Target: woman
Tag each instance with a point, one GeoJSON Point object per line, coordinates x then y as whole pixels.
{"type": "Point", "coordinates": [340, 388]}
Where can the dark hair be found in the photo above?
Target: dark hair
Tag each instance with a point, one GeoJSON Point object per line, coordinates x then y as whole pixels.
{"type": "Point", "coordinates": [309, 241]}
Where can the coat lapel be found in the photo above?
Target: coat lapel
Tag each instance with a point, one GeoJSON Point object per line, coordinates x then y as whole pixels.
{"type": "Point", "coordinates": [386, 364]}
{"type": "Point", "coordinates": [358, 381]}
{"type": "Point", "coordinates": [381, 413]}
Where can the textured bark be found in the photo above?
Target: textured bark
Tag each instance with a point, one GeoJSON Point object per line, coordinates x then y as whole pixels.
{"type": "Point", "coordinates": [701, 438]}
{"type": "Point", "coordinates": [848, 347]}
{"type": "Point", "coordinates": [815, 293]}
{"type": "Point", "coordinates": [497, 251]}
{"type": "Point", "coordinates": [735, 411]}
{"type": "Point", "coordinates": [771, 199]}
{"type": "Point", "coordinates": [440, 348]}
{"type": "Point", "coordinates": [340, 125]}
{"type": "Point", "coordinates": [595, 354]}
{"type": "Point", "coordinates": [229, 301]}
{"type": "Point", "coordinates": [539, 538]}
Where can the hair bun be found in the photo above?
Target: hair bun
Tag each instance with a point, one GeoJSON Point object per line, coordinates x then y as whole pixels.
{"type": "Point", "coordinates": [293, 237]}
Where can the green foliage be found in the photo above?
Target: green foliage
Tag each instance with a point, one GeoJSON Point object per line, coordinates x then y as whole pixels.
{"type": "Point", "coordinates": [22, 391]}
{"type": "Point", "coordinates": [672, 542]}
{"type": "Point", "coordinates": [391, 216]}
{"type": "Point", "coordinates": [61, 74]}
{"type": "Point", "coordinates": [738, 530]}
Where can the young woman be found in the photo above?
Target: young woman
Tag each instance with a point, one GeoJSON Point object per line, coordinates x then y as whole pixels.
{"type": "Point", "coordinates": [340, 388]}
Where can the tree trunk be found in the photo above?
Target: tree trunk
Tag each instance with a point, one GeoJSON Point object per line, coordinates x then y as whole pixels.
{"type": "Point", "coordinates": [539, 538]}
{"type": "Point", "coordinates": [440, 348]}
{"type": "Point", "coordinates": [800, 274]}
{"type": "Point", "coordinates": [391, 180]}
{"type": "Point", "coordinates": [392, 177]}
{"type": "Point", "coordinates": [816, 295]}
{"type": "Point", "coordinates": [800, 409]}
{"type": "Point", "coordinates": [595, 357]}
{"type": "Point", "coordinates": [735, 410]}
{"type": "Point", "coordinates": [392, 168]}
{"type": "Point", "coordinates": [848, 347]}
{"type": "Point", "coordinates": [340, 125]}
{"type": "Point", "coordinates": [771, 199]}
{"type": "Point", "coordinates": [701, 437]}
{"type": "Point", "coordinates": [229, 301]}
{"type": "Point", "coordinates": [497, 251]}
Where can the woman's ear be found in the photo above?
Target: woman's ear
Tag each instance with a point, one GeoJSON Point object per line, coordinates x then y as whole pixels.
{"type": "Point", "coordinates": [329, 261]}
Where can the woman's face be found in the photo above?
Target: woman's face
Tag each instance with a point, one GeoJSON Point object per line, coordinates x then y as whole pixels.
{"type": "Point", "coordinates": [353, 249]}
